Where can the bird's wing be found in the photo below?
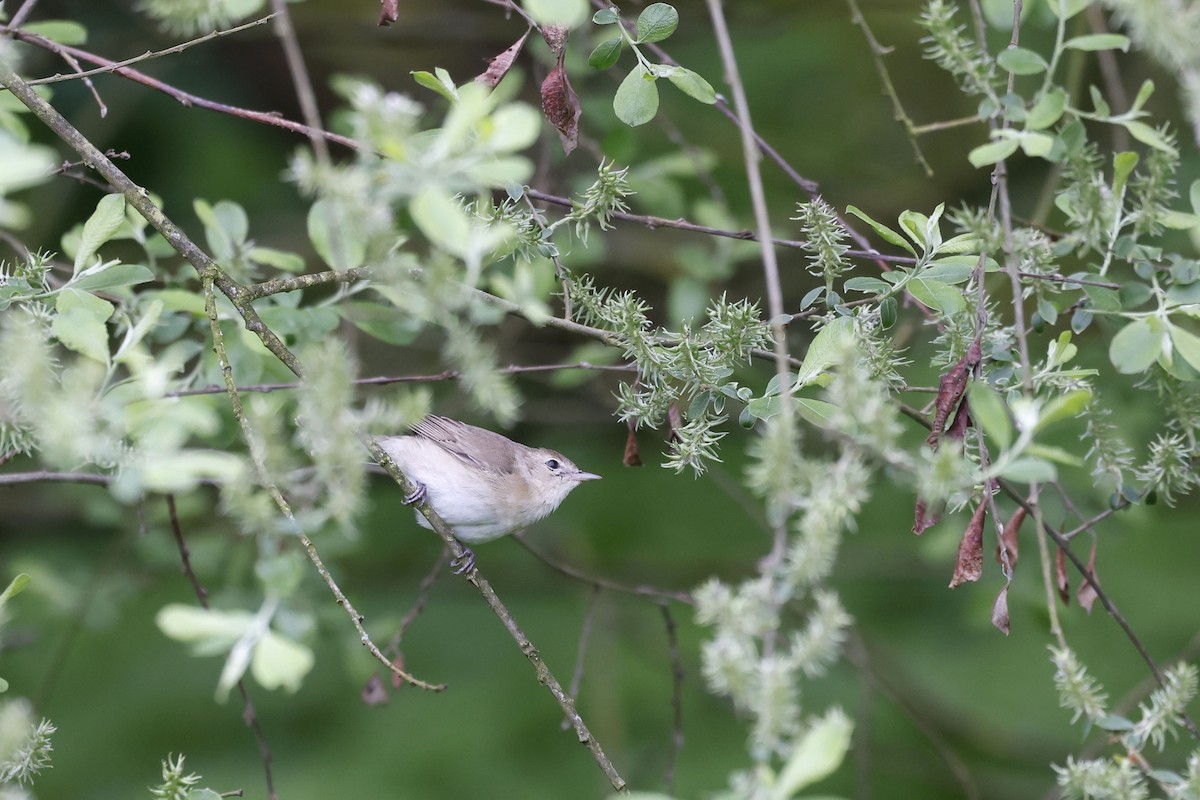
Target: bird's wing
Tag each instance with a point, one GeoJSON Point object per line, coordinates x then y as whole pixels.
{"type": "Point", "coordinates": [477, 446]}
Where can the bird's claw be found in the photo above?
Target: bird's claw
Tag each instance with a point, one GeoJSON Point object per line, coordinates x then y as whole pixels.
{"type": "Point", "coordinates": [464, 564]}
{"type": "Point", "coordinates": [416, 496]}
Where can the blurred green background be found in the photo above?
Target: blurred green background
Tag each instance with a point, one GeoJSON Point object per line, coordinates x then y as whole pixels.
{"type": "Point", "coordinates": [945, 706]}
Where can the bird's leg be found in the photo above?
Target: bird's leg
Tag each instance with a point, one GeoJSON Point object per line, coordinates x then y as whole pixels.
{"type": "Point", "coordinates": [417, 495]}
{"type": "Point", "coordinates": [464, 564]}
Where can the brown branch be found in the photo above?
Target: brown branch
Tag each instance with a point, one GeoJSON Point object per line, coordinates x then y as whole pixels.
{"type": "Point", "coordinates": [273, 118]}
{"type": "Point", "coordinates": [248, 713]}
{"type": "Point", "coordinates": [393, 647]}
{"type": "Point", "coordinates": [585, 635]}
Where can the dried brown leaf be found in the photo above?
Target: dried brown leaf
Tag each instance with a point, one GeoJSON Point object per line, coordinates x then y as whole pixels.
{"type": "Point", "coordinates": [398, 663]}
{"type": "Point", "coordinates": [970, 550]}
{"type": "Point", "coordinates": [951, 389]}
{"type": "Point", "coordinates": [924, 519]}
{"type": "Point", "coordinates": [1060, 577]}
{"type": "Point", "coordinates": [374, 693]}
{"type": "Point", "coordinates": [1087, 589]}
{"type": "Point", "coordinates": [1008, 539]}
{"type": "Point", "coordinates": [1000, 611]}
{"type": "Point", "coordinates": [501, 64]}
{"type": "Point", "coordinates": [674, 423]}
{"type": "Point", "coordinates": [962, 420]}
{"type": "Point", "coordinates": [556, 38]}
{"type": "Point", "coordinates": [561, 106]}
{"type": "Point", "coordinates": [633, 456]}
{"type": "Point", "coordinates": [389, 12]}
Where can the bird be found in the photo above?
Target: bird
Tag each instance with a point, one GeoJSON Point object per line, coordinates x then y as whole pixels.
{"type": "Point", "coordinates": [484, 485]}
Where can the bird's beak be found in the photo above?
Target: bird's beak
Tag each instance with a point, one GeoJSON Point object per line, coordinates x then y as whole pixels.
{"type": "Point", "coordinates": [586, 476]}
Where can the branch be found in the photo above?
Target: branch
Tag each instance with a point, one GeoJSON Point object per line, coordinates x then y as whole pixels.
{"type": "Point", "coordinates": [116, 66]}
{"type": "Point", "coordinates": [248, 713]}
{"type": "Point", "coordinates": [184, 98]}
{"type": "Point", "coordinates": [604, 583]}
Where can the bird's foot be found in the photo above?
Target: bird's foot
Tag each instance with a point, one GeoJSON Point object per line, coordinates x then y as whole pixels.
{"type": "Point", "coordinates": [464, 564]}
{"type": "Point", "coordinates": [417, 495]}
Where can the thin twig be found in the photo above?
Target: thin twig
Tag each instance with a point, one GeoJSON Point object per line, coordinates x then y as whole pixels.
{"type": "Point", "coordinates": [382, 380]}
{"type": "Point", "coordinates": [186, 98]}
{"type": "Point", "coordinates": [604, 583]}
{"type": "Point", "coordinates": [752, 158]}
{"type": "Point", "coordinates": [677, 676]}
{"type": "Point", "coordinates": [393, 647]}
{"type": "Point", "coordinates": [585, 635]}
{"type": "Point", "coordinates": [116, 66]}
{"type": "Point", "coordinates": [248, 713]}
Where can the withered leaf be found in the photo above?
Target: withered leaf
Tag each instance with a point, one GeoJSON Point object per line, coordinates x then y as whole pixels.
{"type": "Point", "coordinates": [1086, 595]}
{"type": "Point", "coordinates": [951, 389]}
{"type": "Point", "coordinates": [924, 519]}
{"type": "Point", "coordinates": [962, 420]}
{"type": "Point", "coordinates": [374, 693]}
{"type": "Point", "coordinates": [1000, 611]}
{"type": "Point", "coordinates": [556, 38]}
{"type": "Point", "coordinates": [970, 550]}
{"type": "Point", "coordinates": [1008, 539]}
{"type": "Point", "coordinates": [633, 457]}
{"type": "Point", "coordinates": [398, 663]}
{"type": "Point", "coordinates": [1060, 577]}
{"type": "Point", "coordinates": [561, 106]}
{"type": "Point", "coordinates": [389, 12]}
{"type": "Point", "coordinates": [674, 423]}
{"type": "Point", "coordinates": [501, 64]}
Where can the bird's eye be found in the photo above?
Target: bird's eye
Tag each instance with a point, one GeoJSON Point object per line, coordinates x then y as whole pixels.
{"type": "Point", "coordinates": [553, 464]}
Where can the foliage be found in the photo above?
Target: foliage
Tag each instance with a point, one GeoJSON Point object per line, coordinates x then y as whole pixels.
{"type": "Point", "coordinates": [130, 353]}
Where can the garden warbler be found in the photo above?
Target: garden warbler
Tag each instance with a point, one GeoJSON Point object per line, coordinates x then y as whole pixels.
{"type": "Point", "coordinates": [482, 484]}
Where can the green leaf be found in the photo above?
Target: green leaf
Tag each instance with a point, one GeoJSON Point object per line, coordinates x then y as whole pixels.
{"type": "Point", "coordinates": [606, 53]}
{"type": "Point", "coordinates": [1068, 406]}
{"type": "Point", "coordinates": [1147, 135]}
{"type": "Point", "coordinates": [941, 297]}
{"type": "Point", "coordinates": [79, 323]}
{"type": "Point", "coordinates": [445, 88]}
{"type": "Point", "coordinates": [101, 225]}
{"type": "Point", "coordinates": [825, 350]}
{"type": "Point", "coordinates": [58, 30]}
{"type": "Point", "coordinates": [990, 411]}
{"type": "Point", "coordinates": [381, 321]}
{"type": "Point", "coordinates": [1187, 344]}
{"type": "Point", "coordinates": [208, 631]}
{"type": "Point", "coordinates": [336, 234]}
{"type": "Point", "coordinates": [1144, 94]}
{"type": "Point", "coordinates": [1021, 61]}
{"type": "Point", "coordinates": [14, 588]}
{"type": "Point", "coordinates": [992, 152]}
{"type": "Point", "coordinates": [887, 234]}
{"type": "Point", "coordinates": [818, 753]}
{"type": "Point", "coordinates": [111, 276]}
{"type": "Point", "coordinates": [606, 16]}
{"type": "Point", "coordinates": [1065, 9]}
{"type": "Point", "coordinates": [867, 284]}
{"type": "Point", "coordinates": [955, 269]}
{"type": "Point", "coordinates": [1036, 145]}
{"type": "Point", "coordinates": [657, 22]}
{"type": "Point", "coordinates": [280, 662]}
{"type": "Point", "coordinates": [567, 13]}
{"type": "Point", "coordinates": [1123, 164]}
{"type": "Point", "coordinates": [636, 100]}
{"type": "Point", "coordinates": [1030, 470]}
{"type": "Point", "coordinates": [1099, 41]}
{"type": "Point", "coordinates": [818, 412]}
{"type": "Point", "coordinates": [279, 259]}
{"type": "Point", "coordinates": [917, 226]}
{"type": "Point", "coordinates": [1051, 453]}
{"type": "Point", "coordinates": [442, 219]}
{"type": "Point", "coordinates": [1135, 347]}
{"type": "Point", "coordinates": [693, 85]}
{"type": "Point", "coordinates": [1047, 110]}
